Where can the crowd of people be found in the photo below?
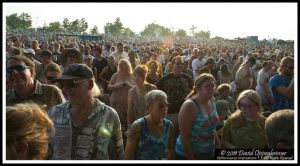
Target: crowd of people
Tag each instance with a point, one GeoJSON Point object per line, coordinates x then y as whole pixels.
{"type": "Point", "coordinates": [134, 99]}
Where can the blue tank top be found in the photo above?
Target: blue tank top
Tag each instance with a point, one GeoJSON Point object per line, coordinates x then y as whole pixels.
{"type": "Point", "coordinates": [202, 133]}
{"type": "Point", "coordinates": [152, 147]}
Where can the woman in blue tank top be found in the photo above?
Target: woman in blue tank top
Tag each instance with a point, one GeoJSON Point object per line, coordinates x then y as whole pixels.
{"type": "Point", "coordinates": [198, 120]}
{"type": "Point", "coordinates": [151, 137]}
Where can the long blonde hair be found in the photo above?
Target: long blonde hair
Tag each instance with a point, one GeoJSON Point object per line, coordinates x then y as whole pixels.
{"type": "Point", "coordinates": [202, 78]}
{"type": "Point", "coordinates": [30, 123]}
{"type": "Point", "coordinates": [126, 62]}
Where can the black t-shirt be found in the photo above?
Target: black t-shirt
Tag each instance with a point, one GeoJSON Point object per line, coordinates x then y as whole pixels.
{"type": "Point", "coordinates": [176, 88]}
{"type": "Point", "coordinates": [100, 64]}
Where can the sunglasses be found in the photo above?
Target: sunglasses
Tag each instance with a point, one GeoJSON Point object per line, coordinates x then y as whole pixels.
{"type": "Point", "coordinates": [50, 78]}
{"type": "Point", "coordinates": [70, 84]}
{"type": "Point", "coordinates": [17, 68]}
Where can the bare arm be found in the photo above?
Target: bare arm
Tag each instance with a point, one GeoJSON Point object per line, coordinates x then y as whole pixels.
{"type": "Point", "coordinates": [171, 146]}
{"type": "Point", "coordinates": [286, 91]}
{"type": "Point", "coordinates": [95, 72]}
{"type": "Point", "coordinates": [130, 108]}
{"type": "Point", "coordinates": [186, 118]}
{"type": "Point", "coordinates": [133, 137]}
{"type": "Point", "coordinates": [102, 74]}
{"type": "Point", "coordinates": [112, 85]}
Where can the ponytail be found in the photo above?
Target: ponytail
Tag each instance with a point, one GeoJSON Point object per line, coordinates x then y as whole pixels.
{"type": "Point", "coordinates": [192, 93]}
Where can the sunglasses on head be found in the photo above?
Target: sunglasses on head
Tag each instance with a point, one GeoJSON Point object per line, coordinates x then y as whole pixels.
{"type": "Point", "coordinates": [70, 84]}
{"type": "Point", "coordinates": [17, 68]}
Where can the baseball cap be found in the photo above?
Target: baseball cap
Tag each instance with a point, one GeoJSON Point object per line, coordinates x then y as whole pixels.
{"type": "Point", "coordinates": [76, 71]}
{"type": "Point", "coordinates": [29, 51]}
{"type": "Point", "coordinates": [223, 108]}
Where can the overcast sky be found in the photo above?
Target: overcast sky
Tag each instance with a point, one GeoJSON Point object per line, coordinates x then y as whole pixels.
{"type": "Point", "coordinates": [229, 20]}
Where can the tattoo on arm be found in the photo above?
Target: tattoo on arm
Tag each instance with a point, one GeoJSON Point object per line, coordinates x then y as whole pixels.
{"type": "Point", "coordinates": [134, 131]}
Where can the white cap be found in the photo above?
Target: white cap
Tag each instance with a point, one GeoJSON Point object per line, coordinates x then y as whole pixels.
{"type": "Point", "coordinates": [186, 58]}
{"type": "Point", "coordinates": [29, 51]}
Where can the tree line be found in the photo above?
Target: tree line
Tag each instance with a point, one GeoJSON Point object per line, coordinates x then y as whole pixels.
{"type": "Point", "coordinates": [116, 28]}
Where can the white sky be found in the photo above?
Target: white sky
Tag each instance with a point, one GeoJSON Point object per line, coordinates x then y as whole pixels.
{"type": "Point", "coordinates": [229, 20]}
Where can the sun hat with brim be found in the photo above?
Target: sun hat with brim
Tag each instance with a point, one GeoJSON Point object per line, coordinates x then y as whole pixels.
{"type": "Point", "coordinates": [75, 72]}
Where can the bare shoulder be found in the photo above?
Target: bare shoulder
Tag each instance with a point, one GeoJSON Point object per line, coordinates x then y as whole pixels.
{"type": "Point", "coordinates": [150, 86]}
{"type": "Point", "coordinates": [134, 131]}
{"type": "Point", "coordinates": [188, 104]}
{"type": "Point", "coordinates": [187, 109]}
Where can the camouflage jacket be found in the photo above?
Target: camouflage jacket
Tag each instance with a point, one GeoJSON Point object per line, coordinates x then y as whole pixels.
{"type": "Point", "coordinates": [99, 138]}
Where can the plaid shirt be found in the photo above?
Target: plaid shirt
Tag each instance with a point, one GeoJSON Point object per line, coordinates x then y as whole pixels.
{"type": "Point", "coordinates": [100, 137]}
{"type": "Point", "coordinates": [43, 94]}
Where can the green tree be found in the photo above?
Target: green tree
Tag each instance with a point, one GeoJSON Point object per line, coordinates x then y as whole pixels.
{"type": "Point", "coordinates": [181, 33]}
{"type": "Point", "coordinates": [155, 30]}
{"type": "Point", "coordinates": [25, 20]}
{"type": "Point", "coordinates": [128, 32]}
{"type": "Point", "coordinates": [94, 30]}
{"type": "Point", "coordinates": [115, 28]}
{"type": "Point", "coordinates": [74, 28]}
{"type": "Point", "coordinates": [66, 25]}
{"type": "Point", "coordinates": [108, 28]}
{"type": "Point", "coordinates": [55, 26]}
{"type": "Point", "coordinates": [14, 21]}
{"type": "Point", "coordinates": [83, 25]}
{"type": "Point", "coordinates": [203, 34]}
{"type": "Point", "coordinates": [118, 26]}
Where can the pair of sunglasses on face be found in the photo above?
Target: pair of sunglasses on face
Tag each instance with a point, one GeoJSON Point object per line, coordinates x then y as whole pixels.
{"type": "Point", "coordinates": [70, 83]}
{"type": "Point", "coordinates": [9, 70]}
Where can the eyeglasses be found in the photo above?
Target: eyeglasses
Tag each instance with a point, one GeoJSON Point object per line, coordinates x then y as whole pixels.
{"type": "Point", "coordinates": [245, 106]}
{"type": "Point", "coordinates": [17, 68]}
{"type": "Point", "coordinates": [50, 78]}
{"type": "Point", "coordinates": [70, 84]}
